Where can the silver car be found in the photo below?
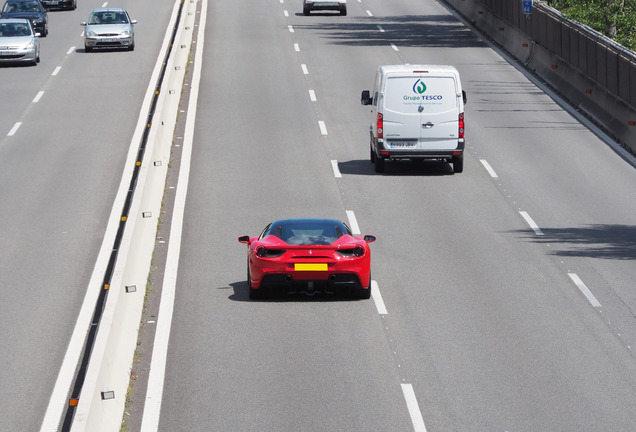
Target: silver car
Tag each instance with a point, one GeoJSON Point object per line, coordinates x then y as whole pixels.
{"type": "Point", "coordinates": [109, 28]}
{"type": "Point", "coordinates": [18, 41]}
{"type": "Point", "coordinates": [320, 5]}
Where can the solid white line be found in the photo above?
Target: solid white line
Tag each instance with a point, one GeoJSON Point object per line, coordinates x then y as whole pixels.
{"type": "Point", "coordinates": [156, 377]}
{"type": "Point", "coordinates": [336, 170]}
{"type": "Point", "coordinates": [377, 298]}
{"type": "Point", "coordinates": [304, 68]}
{"type": "Point", "coordinates": [14, 129]}
{"type": "Point", "coordinates": [353, 223]}
{"type": "Point", "coordinates": [38, 96]}
{"type": "Point", "coordinates": [291, 29]}
{"type": "Point", "coordinates": [71, 49]}
{"type": "Point", "coordinates": [491, 171]}
{"type": "Point", "coordinates": [312, 95]}
{"type": "Point", "coordinates": [296, 47]}
{"type": "Point", "coordinates": [414, 409]}
{"type": "Point", "coordinates": [57, 69]}
{"type": "Point", "coordinates": [584, 289]}
{"type": "Point", "coordinates": [323, 128]}
{"type": "Point", "coordinates": [530, 222]}
{"type": "Point", "coordinates": [394, 47]}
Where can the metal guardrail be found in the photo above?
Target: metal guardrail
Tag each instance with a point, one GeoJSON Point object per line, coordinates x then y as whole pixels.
{"type": "Point", "coordinates": [608, 64]}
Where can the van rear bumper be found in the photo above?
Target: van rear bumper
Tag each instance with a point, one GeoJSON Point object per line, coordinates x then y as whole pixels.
{"type": "Point", "coordinates": [421, 154]}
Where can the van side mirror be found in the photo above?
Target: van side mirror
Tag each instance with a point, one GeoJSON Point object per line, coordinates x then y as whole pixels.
{"type": "Point", "coordinates": [365, 99]}
{"type": "Point", "coordinates": [464, 96]}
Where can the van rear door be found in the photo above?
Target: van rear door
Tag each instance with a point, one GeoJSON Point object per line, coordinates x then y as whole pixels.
{"type": "Point", "coordinates": [421, 112]}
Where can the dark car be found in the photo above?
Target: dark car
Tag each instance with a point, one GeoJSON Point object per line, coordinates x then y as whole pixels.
{"type": "Point", "coordinates": [59, 4]}
{"type": "Point", "coordinates": [29, 9]}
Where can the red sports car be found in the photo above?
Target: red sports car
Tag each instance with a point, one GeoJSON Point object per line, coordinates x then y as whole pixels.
{"type": "Point", "coordinates": [310, 256]}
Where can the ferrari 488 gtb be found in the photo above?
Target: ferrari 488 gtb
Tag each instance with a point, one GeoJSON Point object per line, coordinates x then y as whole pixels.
{"type": "Point", "coordinates": [310, 256]}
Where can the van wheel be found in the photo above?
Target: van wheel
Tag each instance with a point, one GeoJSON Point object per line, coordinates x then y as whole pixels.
{"type": "Point", "coordinates": [379, 164]}
{"type": "Point", "coordinates": [343, 11]}
{"type": "Point", "coordinates": [371, 153]}
{"type": "Point", "coordinates": [458, 163]}
{"type": "Point", "coordinates": [305, 11]}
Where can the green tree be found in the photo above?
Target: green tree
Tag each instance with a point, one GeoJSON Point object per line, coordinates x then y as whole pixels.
{"type": "Point", "coordinates": [613, 18]}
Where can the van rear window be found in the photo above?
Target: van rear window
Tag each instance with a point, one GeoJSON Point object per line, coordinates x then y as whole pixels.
{"type": "Point", "coordinates": [407, 94]}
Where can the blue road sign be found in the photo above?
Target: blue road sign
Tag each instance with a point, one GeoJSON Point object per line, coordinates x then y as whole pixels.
{"type": "Point", "coordinates": [526, 6]}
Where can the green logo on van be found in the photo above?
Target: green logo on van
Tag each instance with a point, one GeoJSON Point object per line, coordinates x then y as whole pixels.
{"type": "Point", "coordinates": [419, 87]}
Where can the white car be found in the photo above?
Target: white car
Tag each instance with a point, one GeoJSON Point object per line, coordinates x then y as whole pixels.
{"type": "Point", "coordinates": [339, 5]}
{"type": "Point", "coordinates": [109, 28]}
{"type": "Point", "coordinates": [18, 41]}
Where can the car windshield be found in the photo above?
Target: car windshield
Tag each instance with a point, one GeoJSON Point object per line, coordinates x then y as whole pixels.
{"type": "Point", "coordinates": [108, 18]}
{"type": "Point", "coordinates": [16, 7]}
{"type": "Point", "coordinates": [14, 29]}
{"type": "Point", "coordinates": [307, 231]}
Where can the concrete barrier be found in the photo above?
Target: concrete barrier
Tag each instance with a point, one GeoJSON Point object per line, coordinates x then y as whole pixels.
{"type": "Point", "coordinates": [611, 114]}
{"type": "Point", "coordinates": [103, 396]}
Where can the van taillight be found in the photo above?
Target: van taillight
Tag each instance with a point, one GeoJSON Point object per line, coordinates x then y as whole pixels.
{"type": "Point", "coordinates": [461, 125]}
{"type": "Point", "coordinates": [380, 125]}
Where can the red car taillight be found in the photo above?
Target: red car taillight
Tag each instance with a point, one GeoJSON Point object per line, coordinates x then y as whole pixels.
{"type": "Point", "coordinates": [263, 252]}
{"type": "Point", "coordinates": [380, 125]}
{"type": "Point", "coordinates": [461, 125]}
{"type": "Point", "coordinates": [357, 251]}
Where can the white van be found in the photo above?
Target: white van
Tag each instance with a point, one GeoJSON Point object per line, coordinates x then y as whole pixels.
{"type": "Point", "coordinates": [417, 113]}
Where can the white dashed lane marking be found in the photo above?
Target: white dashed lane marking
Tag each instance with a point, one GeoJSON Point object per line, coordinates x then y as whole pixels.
{"type": "Point", "coordinates": [38, 96]}
{"type": "Point", "coordinates": [14, 129]}
{"type": "Point", "coordinates": [584, 289]}
{"type": "Point", "coordinates": [336, 170]}
{"type": "Point", "coordinates": [353, 223]}
{"type": "Point", "coordinates": [414, 408]}
{"type": "Point", "coordinates": [377, 298]}
{"type": "Point", "coordinates": [531, 223]}
{"type": "Point", "coordinates": [491, 171]}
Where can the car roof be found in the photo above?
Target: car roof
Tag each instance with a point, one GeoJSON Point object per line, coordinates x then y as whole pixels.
{"type": "Point", "coordinates": [109, 10]}
{"type": "Point", "coordinates": [307, 221]}
{"type": "Point", "coordinates": [15, 20]}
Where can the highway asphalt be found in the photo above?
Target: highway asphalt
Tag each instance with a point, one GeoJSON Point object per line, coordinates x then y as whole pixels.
{"type": "Point", "coordinates": [508, 289]}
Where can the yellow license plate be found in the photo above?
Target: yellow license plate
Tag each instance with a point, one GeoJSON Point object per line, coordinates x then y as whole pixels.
{"type": "Point", "coordinates": [310, 267]}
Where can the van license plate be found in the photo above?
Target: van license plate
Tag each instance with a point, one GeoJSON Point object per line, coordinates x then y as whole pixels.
{"type": "Point", "coordinates": [401, 144]}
